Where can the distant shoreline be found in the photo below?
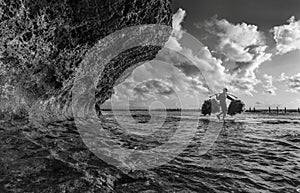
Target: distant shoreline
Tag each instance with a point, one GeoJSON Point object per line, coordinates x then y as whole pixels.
{"type": "Point", "coordinates": [198, 110]}
{"type": "Point", "coordinates": [272, 111]}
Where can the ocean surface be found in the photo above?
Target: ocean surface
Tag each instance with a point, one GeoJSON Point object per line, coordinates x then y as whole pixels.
{"type": "Point", "coordinates": [251, 152]}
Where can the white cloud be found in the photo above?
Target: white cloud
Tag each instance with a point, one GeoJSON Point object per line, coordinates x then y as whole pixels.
{"type": "Point", "coordinates": [243, 45]}
{"type": "Point", "coordinates": [185, 58]}
{"type": "Point", "coordinates": [177, 32]}
{"type": "Point", "coordinates": [293, 82]}
{"type": "Point", "coordinates": [238, 42]}
{"type": "Point", "coordinates": [268, 85]}
{"type": "Point", "coordinates": [287, 36]}
{"type": "Point", "coordinates": [177, 19]}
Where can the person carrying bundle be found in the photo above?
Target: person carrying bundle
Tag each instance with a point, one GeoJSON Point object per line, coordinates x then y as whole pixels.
{"type": "Point", "coordinates": [222, 98]}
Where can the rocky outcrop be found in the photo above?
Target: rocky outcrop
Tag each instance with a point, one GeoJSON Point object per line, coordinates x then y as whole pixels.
{"type": "Point", "coordinates": [44, 42]}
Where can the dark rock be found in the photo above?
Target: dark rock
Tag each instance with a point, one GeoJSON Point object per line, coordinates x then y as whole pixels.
{"type": "Point", "coordinates": [43, 42]}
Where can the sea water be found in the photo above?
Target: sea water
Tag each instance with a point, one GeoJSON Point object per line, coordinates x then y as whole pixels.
{"type": "Point", "coordinates": [248, 153]}
{"type": "Point", "coordinates": [253, 152]}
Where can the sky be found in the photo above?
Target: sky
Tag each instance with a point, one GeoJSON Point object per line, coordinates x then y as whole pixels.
{"type": "Point", "coordinates": [250, 47]}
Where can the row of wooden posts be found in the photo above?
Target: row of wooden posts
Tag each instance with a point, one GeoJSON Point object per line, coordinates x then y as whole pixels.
{"type": "Point", "coordinates": [270, 110]}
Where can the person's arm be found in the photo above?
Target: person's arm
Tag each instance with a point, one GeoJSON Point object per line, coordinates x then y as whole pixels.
{"type": "Point", "coordinates": [213, 95]}
{"type": "Point", "coordinates": [232, 95]}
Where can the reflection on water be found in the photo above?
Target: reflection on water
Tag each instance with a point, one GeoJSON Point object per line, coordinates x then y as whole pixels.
{"type": "Point", "coordinates": [253, 153]}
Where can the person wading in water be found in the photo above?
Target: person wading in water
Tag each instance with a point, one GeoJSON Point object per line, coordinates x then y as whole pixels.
{"type": "Point", "coordinates": [222, 98]}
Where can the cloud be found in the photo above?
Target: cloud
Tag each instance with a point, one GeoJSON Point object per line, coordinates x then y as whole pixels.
{"type": "Point", "coordinates": [238, 42]}
{"type": "Point", "coordinates": [293, 82]}
{"type": "Point", "coordinates": [287, 37]}
{"type": "Point", "coordinates": [244, 46]}
{"type": "Point", "coordinates": [188, 69]}
{"type": "Point", "coordinates": [268, 85]}
{"type": "Point", "coordinates": [177, 20]}
{"type": "Point", "coordinates": [177, 32]}
{"type": "Point", "coordinates": [199, 66]}
{"type": "Point", "coordinates": [153, 88]}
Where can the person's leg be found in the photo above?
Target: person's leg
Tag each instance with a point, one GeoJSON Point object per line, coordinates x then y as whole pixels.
{"type": "Point", "coordinates": [224, 116]}
{"type": "Point", "coordinates": [218, 115]}
{"type": "Point", "coordinates": [224, 111]}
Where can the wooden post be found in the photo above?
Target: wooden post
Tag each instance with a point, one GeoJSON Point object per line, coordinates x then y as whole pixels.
{"type": "Point", "coordinates": [250, 109]}
{"type": "Point", "coordinates": [269, 109]}
{"type": "Point", "coordinates": [298, 110]}
{"type": "Point", "coordinates": [285, 110]}
{"type": "Point", "coordinates": [254, 109]}
{"type": "Point", "coordinates": [277, 110]}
